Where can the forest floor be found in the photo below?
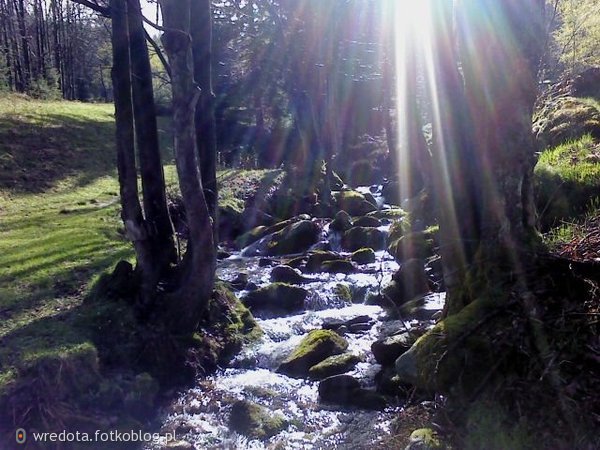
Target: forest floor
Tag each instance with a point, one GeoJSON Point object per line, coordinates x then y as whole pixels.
{"type": "Point", "coordinates": [60, 227]}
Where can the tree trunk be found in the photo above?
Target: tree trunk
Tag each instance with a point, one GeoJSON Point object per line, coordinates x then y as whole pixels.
{"type": "Point", "coordinates": [186, 306]}
{"type": "Point", "coordinates": [153, 180]}
{"type": "Point", "coordinates": [131, 212]}
{"type": "Point", "coordinates": [206, 134]}
{"type": "Point", "coordinates": [483, 143]}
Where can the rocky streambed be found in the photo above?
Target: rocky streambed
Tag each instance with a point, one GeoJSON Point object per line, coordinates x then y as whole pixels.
{"type": "Point", "coordinates": [322, 375]}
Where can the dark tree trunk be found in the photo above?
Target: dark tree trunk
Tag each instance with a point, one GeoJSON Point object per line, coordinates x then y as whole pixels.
{"type": "Point", "coordinates": [206, 134]}
{"type": "Point", "coordinates": [186, 306]}
{"type": "Point", "coordinates": [131, 212]}
{"type": "Point", "coordinates": [153, 180]}
{"type": "Point", "coordinates": [26, 65]}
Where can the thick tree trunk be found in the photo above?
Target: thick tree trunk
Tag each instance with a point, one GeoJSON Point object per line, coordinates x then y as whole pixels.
{"type": "Point", "coordinates": [206, 129]}
{"type": "Point", "coordinates": [186, 306]}
{"type": "Point", "coordinates": [483, 143]}
{"type": "Point", "coordinates": [153, 180]}
{"type": "Point", "coordinates": [131, 212]}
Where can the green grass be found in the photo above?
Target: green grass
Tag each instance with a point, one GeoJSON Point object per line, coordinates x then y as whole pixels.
{"type": "Point", "coordinates": [567, 179]}
{"type": "Point", "coordinates": [59, 222]}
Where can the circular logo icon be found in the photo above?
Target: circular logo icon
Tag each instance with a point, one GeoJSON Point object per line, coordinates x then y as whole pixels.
{"type": "Point", "coordinates": [21, 436]}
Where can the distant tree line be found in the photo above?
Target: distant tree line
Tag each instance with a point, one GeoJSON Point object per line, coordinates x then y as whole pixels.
{"type": "Point", "coordinates": [54, 48]}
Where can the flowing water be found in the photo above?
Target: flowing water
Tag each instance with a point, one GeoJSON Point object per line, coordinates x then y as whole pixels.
{"type": "Point", "coordinates": [200, 415]}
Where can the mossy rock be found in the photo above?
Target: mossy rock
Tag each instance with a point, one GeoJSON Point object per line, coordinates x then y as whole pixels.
{"type": "Point", "coordinates": [338, 266]}
{"type": "Point", "coordinates": [354, 203]}
{"type": "Point", "coordinates": [141, 395]}
{"type": "Point", "coordinates": [276, 297]}
{"type": "Point", "coordinates": [345, 390]}
{"type": "Point", "coordinates": [317, 258]}
{"type": "Point", "coordinates": [287, 274]}
{"type": "Point", "coordinates": [409, 282]}
{"type": "Point", "coordinates": [453, 355]}
{"type": "Point", "coordinates": [333, 365]}
{"type": "Point", "coordinates": [343, 292]}
{"type": "Point", "coordinates": [295, 238]}
{"type": "Point", "coordinates": [363, 237]}
{"type": "Point", "coordinates": [367, 221]}
{"type": "Point", "coordinates": [341, 222]}
{"type": "Point", "coordinates": [314, 348]}
{"type": "Point", "coordinates": [363, 256]}
{"type": "Point", "coordinates": [387, 350]}
{"type": "Point", "coordinates": [231, 221]}
{"type": "Point", "coordinates": [392, 214]}
{"type": "Point", "coordinates": [255, 421]}
{"type": "Point", "coordinates": [424, 439]}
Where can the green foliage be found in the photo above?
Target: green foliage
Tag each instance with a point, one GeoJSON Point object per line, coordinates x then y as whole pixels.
{"type": "Point", "coordinates": [578, 36]}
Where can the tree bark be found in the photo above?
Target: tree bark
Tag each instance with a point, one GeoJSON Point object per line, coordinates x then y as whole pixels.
{"type": "Point", "coordinates": [186, 306]}
{"type": "Point", "coordinates": [153, 179]}
{"type": "Point", "coordinates": [205, 125]}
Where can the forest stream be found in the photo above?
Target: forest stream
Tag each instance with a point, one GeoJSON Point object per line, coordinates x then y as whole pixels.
{"type": "Point", "coordinates": [201, 415]}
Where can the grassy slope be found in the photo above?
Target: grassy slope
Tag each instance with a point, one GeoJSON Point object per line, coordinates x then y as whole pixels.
{"type": "Point", "coordinates": [59, 223]}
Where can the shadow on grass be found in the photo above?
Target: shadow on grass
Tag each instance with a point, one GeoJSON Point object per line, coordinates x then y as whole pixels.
{"type": "Point", "coordinates": [34, 156]}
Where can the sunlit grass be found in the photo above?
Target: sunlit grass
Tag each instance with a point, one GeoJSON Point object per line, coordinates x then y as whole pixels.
{"type": "Point", "coordinates": [60, 225]}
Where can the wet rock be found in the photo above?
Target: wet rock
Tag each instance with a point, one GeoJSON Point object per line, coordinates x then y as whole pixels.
{"type": "Point", "coordinates": [255, 421]}
{"type": "Point", "coordinates": [391, 193]}
{"type": "Point", "coordinates": [239, 282]}
{"type": "Point", "coordinates": [345, 390]}
{"type": "Point", "coordinates": [253, 217]}
{"type": "Point", "coordinates": [286, 274]}
{"type": "Point", "coordinates": [367, 221]}
{"type": "Point", "coordinates": [314, 348]}
{"type": "Point", "coordinates": [354, 203]}
{"type": "Point", "coordinates": [364, 256]}
{"type": "Point", "coordinates": [424, 439]}
{"type": "Point", "coordinates": [363, 237]}
{"type": "Point", "coordinates": [419, 309]}
{"type": "Point", "coordinates": [276, 297]}
{"type": "Point", "coordinates": [264, 262]}
{"type": "Point", "coordinates": [342, 222]}
{"type": "Point", "coordinates": [317, 258]}
{"type": "Point", "coordinates": [338, 266]}
{"type": "Point", "coordinates": [295, 238]}
{"type": "Point", "coordinates": [335, 324]}
{"type": "Point", "coordinates": [387, 350]}
{"type": "Point", "coordinates": [333, 365]}
{"type": "Point", "coordinates": [296, 262]}
{"type": "Point", "coordinates": [252, 236]}
{"type": "Point", "coordinates": [338, 389]}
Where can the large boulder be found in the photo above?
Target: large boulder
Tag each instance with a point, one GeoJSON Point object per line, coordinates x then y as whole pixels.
{"type": "Point", "coordinates": [354, 203]}
{"type": "Point", "coordinates": [363, 256]}
{"type": "Point", "coordinates": [334, 365]}
{"type": "Point", "coordinates": [287, 274]}
{"type": "Point", "coordinates": [367, 221]}
{"type": "Point", "coordinates": [338, 266]}
{"type": "Point", "coordinates": [341, 222]}
{"type": "Point", "coordinates": [457, 353]}
{"type": "Point", "coordinates": [255, 421]}
{"type": "Point", "coordinates": [345, 390]}
{"type": "Point", "coordinates": [314, 348]}
{"type": "Point", "coordinates": [387, 350]}
{"type": "Point", "coordinates": [363, 237]}
{"type": "Point", "coordinates": [317, 258]}
{"type": "Point", "coordinates": [409, 282]}
{"type": "Point", "coordinates": [276, 298]}
{"type": "Point", "coordinates": [295, 238]}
